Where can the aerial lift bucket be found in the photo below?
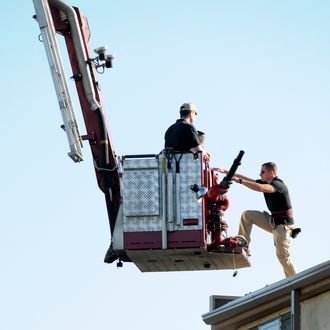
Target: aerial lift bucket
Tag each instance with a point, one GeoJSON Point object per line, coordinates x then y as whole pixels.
{"type": "Point", "coordinates": [168, 229]}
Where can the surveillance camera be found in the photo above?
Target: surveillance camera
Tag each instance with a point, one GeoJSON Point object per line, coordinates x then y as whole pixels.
{"type": "Point", "coordinates": [110, 57]}
{"type": "Point", "coordinates": [108, 60]}
{"type": "Point", "coordinates": [100, 51]}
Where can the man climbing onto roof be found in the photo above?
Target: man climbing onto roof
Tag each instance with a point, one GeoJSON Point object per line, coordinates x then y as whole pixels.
{"type": "Point", "coordinates": [279, 222]}
{"type": "Point", "coordinates": [182, 135]}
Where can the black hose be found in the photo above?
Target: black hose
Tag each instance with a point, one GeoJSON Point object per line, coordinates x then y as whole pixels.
{"type": "Point", "coordinates": [104, 163]}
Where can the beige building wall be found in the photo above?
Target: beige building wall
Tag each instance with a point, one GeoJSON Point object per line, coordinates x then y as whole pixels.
{"type": "Point", "coordinates": [315, 313]}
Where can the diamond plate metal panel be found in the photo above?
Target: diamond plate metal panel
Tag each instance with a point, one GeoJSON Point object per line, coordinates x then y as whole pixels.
{"type": "Point", "coordinates": [190, 173]}
{"type": "Point", "coordinates": [141, 195]}
{"type": "Point", "coordinates": [140, 224]}
{"type": "Point", "coordinates": [142, 200]}
{"type": "Point", "coordinates": [139, 163]}
{"type": "Point", "coordinates": [141, 192]}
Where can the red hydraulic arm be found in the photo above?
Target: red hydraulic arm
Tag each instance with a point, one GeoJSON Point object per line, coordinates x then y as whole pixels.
{"type": "Point", "coordinates": [97, 131]}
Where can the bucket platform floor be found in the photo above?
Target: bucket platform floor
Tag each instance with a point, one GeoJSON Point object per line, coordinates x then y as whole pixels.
{"type": "Point", "coordinates": [188, 259]}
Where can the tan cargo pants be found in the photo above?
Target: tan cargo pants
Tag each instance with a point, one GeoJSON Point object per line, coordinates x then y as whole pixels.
{"type": "Point", "coordinates": [281, 235]}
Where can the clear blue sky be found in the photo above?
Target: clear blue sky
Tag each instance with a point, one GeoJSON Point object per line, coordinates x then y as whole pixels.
{"type": "Point", "coordinates": [258, 71]}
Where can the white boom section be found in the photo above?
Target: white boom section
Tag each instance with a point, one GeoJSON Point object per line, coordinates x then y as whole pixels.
{"type": "Point", "coordinates": [48, 33]}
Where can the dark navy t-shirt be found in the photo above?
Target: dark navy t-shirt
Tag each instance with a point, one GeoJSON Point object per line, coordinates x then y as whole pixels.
{"type": "Point", "coordinates": [280, 199]}
{"type": "Point", "coordinates": [181, 136]}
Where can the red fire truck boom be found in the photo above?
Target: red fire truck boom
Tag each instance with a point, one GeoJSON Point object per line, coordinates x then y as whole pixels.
{"type": "Point", "coordinates": [155, 219]}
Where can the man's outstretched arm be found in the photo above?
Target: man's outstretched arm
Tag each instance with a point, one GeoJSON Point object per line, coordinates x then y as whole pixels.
{"type": "Point", "coordinates": [262, 187]}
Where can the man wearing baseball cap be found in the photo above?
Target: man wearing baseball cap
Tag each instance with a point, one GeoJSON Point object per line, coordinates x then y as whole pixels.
{"type": "Point", "coordinates": [182, 135]}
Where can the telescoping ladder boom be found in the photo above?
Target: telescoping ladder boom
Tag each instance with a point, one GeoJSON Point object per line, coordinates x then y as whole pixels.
{"type": "Point", "coordinates": [48, 35]}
